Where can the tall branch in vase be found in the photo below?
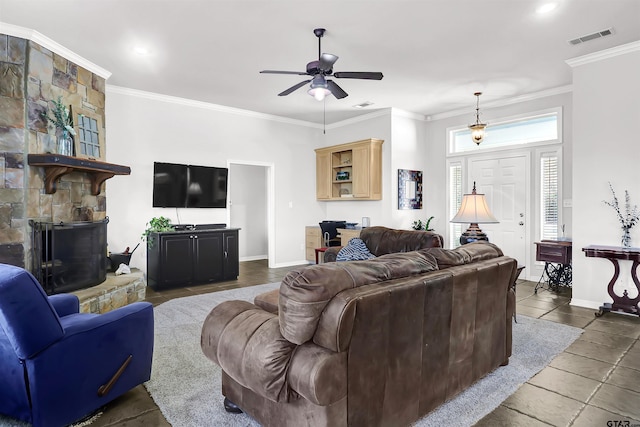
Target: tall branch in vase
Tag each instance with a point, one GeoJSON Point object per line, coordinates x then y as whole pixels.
{"type": "Point", "coordinates": [628, 219]}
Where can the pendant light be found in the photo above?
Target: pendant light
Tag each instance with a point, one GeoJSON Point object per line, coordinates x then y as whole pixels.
{"type": "Point", "coordinates": [477, 129]}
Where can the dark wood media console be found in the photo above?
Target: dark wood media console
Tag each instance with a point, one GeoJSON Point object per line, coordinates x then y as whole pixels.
{"type": "Point", "coordinates": [192, 257]}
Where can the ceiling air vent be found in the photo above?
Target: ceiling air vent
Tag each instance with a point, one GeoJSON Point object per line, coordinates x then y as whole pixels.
{"type": "Point", "coordinates": [364, 104]}
{"type": "Point", "coordinates": [592, 36]}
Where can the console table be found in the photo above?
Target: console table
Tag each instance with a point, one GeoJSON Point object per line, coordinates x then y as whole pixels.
{"type": "Point", "coordinates": [192, 256]}
{"type": "Point", "coordinates": [556, 255]}
{"type": "Point", "coordinates": [613, 254]}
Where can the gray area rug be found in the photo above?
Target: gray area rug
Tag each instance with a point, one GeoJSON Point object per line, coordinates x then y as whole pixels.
{"type": "Point", "coordinates": [186, 385]}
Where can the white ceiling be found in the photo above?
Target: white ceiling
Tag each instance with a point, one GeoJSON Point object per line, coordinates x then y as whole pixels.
{"type": "Point", "coordinates": [434, 53]}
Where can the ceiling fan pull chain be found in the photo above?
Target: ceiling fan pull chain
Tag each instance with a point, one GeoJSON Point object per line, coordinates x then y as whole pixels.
{"type": "Point", "coordinates": [324, 116]}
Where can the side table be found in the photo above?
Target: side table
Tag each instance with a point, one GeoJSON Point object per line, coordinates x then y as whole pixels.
{"type": "Point", "coordinates": [318, 250]}
{"type": "Point", "coordinates": [556, 255]}
{"type": "Point", "coordinates": [613, 254]}
{"type": "Point", "coordinates": [513, 287]}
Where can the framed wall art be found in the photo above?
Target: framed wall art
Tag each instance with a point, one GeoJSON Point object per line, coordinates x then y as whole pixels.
{"type": "Point", "coordinates": [409, 189]}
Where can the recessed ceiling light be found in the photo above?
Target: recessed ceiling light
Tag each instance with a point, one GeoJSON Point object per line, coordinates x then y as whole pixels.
{"type": "Point", "coordinates": [363, 104]}
{"type": "Point", "coordinates": [141, 50]}
{"type": "Point", "coordinates": [546, 8]}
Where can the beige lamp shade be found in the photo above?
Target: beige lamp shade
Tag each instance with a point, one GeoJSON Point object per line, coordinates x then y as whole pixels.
{"type": "Point", "coordinates": [474, 210]}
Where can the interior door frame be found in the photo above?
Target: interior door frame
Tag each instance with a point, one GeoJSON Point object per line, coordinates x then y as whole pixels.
{"type": "Point", "coordinates": [270, 171]}
{"type": "Point", "coordinates": [530, 216]}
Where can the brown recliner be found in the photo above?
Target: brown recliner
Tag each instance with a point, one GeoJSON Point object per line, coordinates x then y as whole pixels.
{"type": "Point", "coordinates": [382, 240]}
{"type": "Point", "coordinates": [366, 343]}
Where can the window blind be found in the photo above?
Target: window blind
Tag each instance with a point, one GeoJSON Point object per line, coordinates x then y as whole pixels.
{"type": "Point", "coordinates": [549, 197]}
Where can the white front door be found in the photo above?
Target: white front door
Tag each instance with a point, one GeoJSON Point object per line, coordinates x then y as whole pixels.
{"type": "Point", "coordinates": [504, 182]}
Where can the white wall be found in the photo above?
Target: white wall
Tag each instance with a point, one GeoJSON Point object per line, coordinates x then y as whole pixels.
{"type": "Point", "coordinates": [248, 206]}
{"type": "Point", "coordinates": [606, 117]}
{"type": "Point", "coordinates": [143, 128]}
{"type": "Point", "coordinates": [403, 148]}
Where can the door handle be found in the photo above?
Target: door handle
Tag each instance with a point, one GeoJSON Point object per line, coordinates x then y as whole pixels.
{"type": "Point", "coordinates": [521, 223]}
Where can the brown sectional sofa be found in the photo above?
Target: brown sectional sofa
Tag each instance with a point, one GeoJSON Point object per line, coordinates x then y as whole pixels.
{"type": "Point", "coordinates": [367, 343]}
{"type": "Point", "coordinates": [382, 240]}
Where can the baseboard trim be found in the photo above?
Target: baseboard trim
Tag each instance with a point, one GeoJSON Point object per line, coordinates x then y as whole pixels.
{"type": "Point", "coordinates": [254, 258]}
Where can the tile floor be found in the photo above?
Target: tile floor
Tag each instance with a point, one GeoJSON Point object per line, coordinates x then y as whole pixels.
{"type": "Point", "coordinates": [594, 382]}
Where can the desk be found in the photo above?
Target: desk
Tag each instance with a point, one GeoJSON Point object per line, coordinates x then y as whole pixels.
{"type": "Point", "coordinates": [346, 234]}
{"type": "Point", "coordinates": [556, 255]}
{"type": "Point", "coordinates": [613, 254]}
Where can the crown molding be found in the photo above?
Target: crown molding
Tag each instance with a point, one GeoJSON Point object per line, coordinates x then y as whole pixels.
{"type": "Point", "coordinates": [397, 112]}
{"type": "Point", "coordinates": [206, 106]}
{"type": "Point", "coordinates": [504, 102]}
{"type": "Point", "coordinates": [47, 43]}
{"type": "Point", "coordinates": [604, 54]}
{"type": "Point", "coordinates": [361, 118]}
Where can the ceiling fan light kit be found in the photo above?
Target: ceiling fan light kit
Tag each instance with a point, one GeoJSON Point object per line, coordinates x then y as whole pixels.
{"type": "Point", "coordinates": [319, 89]}
{"type": "Point", "coordinates": [477, 129]}
{"type": "Point", "coordinates": [320, 70]}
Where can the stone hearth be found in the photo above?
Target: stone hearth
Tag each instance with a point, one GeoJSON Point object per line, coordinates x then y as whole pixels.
{"type": "Point", "coordinates": [115, 292]}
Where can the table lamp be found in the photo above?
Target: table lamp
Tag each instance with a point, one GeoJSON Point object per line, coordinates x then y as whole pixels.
{"type": "Point", "coordinates": [474, 210]}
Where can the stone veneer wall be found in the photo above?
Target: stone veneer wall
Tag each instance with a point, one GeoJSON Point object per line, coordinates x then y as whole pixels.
{"type": "Point", "coordinates": [30, 77]}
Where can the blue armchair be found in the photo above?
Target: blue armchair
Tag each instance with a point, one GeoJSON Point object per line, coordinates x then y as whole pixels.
{"type": "Point", "coordinates": [58, 365]}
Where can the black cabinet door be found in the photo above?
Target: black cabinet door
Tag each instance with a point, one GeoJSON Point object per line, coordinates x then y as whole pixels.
{"type": "Point", "coordinates": [231, 254]}
{"type": "Point", "coordinates": [207, 257]}
{"type": "Point", "coordinates": [176, 261]}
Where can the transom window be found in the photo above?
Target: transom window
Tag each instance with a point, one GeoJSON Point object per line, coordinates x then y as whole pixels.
{"type": "Point", "coordinates": [541, 127]}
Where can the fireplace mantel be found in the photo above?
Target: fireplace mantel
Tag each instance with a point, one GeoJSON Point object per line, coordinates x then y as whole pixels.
{"type": "Point", "coordinates": [56, 165]}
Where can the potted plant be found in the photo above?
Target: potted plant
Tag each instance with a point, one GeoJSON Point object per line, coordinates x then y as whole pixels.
{"type": "Point", "coordinates": [156, 225]}
{"type": "Point", "coordinates": [63, 121]}
{"type": "Point", "coordinates": [419, 225]}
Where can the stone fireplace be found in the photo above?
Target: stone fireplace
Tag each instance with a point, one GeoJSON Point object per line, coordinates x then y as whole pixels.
{"type": "Point", "coordinates": [37, 186]}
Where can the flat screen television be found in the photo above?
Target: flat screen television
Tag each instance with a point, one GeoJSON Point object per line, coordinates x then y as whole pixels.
{"type": "Point", "coordinates": [189, 186]}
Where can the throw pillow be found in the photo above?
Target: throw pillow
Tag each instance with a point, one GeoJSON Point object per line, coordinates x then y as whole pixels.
{"type": "Point", "coordinates": [355, 250]}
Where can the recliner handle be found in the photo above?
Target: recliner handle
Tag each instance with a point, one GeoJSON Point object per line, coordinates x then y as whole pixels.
{"type": "Point", "coordinates": [105, 388]}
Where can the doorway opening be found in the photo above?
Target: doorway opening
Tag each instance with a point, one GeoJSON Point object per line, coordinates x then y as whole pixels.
{"type": "Point", "coordinates": [251, 208]}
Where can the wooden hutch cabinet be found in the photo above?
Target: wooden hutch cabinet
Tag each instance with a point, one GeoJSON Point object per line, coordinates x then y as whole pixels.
{"type": "Point", "coordinates": [351, 171]}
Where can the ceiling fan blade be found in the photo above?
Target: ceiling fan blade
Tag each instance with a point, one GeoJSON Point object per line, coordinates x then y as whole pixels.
{"type": "Point", "coordinates": [299, 73]}
{"type": "Point", "coordinates": [336, 90]}
{"type": "Point", "coordinates": [292, 88]}
{"type": "Point", "coordinates": [358, 75]}
{"type": "Point", "coordinates": [326, 61]}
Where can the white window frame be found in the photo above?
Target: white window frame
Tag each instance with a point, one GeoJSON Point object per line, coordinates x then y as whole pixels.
{"type": "Point", "coordinates": [511, 119]}
{"type": "Point", "coordinates": [454, 230]}
{"type": "Point", "coordinates": [539, 153]}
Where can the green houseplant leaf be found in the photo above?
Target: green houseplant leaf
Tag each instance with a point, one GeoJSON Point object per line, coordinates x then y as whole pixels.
{"type": "Point", "coordinates": [156, 225]}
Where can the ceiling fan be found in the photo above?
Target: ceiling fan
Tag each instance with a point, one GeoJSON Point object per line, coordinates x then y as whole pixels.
{"type": "Point", "coordinates": [320, 70]}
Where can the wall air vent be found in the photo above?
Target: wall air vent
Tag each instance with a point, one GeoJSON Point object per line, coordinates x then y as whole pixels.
{"type": "Point", "coordinates": [591, 36]}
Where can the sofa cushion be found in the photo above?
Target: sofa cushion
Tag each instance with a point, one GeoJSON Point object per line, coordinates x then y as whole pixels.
{"type": "Point", "coordinates": [383, 240]}
{"type": "Point", "coordinates": [466, 254]}
{"type": "Point", "coordinates": [304, 293]}
{"type": "Point", "coordinates": [355, 250]}
{"type": "Point", "coordinates": [268, 301]}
